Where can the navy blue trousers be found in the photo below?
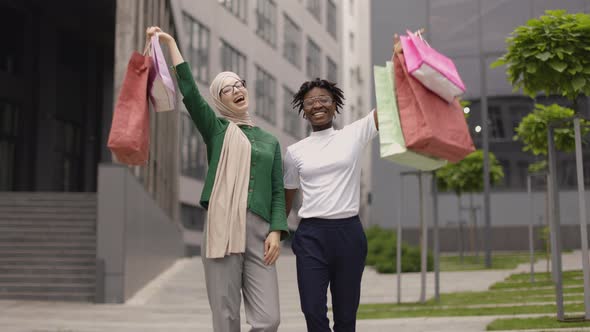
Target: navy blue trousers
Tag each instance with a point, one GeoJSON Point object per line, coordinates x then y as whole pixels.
{"type": "Point", "coordinates": [330, 252]}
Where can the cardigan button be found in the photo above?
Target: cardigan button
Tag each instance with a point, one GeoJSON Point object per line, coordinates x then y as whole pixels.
{"type": "Point", "coordinates": [251, 190]}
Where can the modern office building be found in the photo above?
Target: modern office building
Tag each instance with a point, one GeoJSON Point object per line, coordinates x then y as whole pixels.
{"type": "Point", "coordinates": [73, 225]}
{"type": "Point", "coordinates": [472, 33]}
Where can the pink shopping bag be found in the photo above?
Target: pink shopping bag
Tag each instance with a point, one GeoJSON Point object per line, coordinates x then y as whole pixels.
{"type": "Point", "coordinates": [436, 71]}
{"type": "Point", "coordinates": [129, 137]}
{"type": "Point", "coordinates": [161, 88]}
{"type": "Point", "coordinates": [430, 125]}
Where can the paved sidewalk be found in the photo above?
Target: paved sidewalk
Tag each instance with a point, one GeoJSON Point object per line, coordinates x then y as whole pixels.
{"type": "Point", "coordinates": [177, 302]}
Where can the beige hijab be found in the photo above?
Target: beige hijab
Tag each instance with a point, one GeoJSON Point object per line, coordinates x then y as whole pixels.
{"type": "Point", "coordinates": [226, 217]}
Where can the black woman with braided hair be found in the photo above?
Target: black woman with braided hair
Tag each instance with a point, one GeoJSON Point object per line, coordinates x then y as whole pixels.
{"type": "Point", "coordinates": [329, 244]}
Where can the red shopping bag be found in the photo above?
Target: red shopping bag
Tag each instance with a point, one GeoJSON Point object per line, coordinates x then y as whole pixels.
{"type": "Point", "coordinates": [129, 138]}
{"type": "Point", "coordinates": [430, 125]}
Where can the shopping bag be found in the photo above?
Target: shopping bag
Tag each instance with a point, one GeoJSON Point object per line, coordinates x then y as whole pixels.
{"type": "Point", "coordinates": [430, 125]}
{"type": "Point", "coordinates": [436, 71]}
{"type": "Point", "coordinates": [391, 139]}
{"type": "Point", "coordinates": [161, 88]}
{"type": "Point", "coordinates": [129, 137]}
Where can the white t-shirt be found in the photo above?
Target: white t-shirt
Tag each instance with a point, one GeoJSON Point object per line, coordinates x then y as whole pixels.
{"type": "Point", "coordinates": [326, 166]}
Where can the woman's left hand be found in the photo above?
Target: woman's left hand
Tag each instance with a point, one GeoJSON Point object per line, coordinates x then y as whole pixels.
{"type": "Point", "coordinates": [272, 247]}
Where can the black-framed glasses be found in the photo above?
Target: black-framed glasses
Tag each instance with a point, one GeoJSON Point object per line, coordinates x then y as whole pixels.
{"type": "Point", "coordinates": [323, 100]}
{"type": "Point", "coordinates": [229, 89]}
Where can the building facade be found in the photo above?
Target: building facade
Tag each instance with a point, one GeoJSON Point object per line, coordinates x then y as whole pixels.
{"type": "Point", "coordinates": [472, 33]}
{"type": "Point", "coordinates": [68, 214]}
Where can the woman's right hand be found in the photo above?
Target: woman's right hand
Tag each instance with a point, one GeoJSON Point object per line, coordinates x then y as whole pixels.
{"type": "Point", "coordinates": [151, 31]}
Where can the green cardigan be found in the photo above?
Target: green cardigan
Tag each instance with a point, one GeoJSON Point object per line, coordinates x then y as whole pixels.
{"type": "Point", "coordinates": [266, 196]}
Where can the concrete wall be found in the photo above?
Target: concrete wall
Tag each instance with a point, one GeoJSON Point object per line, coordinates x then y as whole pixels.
{"type": "Point", "coordinates": [136, 239]}
{"type": "Point", "coordinates": [504, 238]}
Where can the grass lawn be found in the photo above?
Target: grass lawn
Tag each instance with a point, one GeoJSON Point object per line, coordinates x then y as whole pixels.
{"type": "Point", "coordinates": [514, 290]}
{"type": "Point", "coordinates": [532, 323]}
{"type": "Point", "coordinates": [500, 261]}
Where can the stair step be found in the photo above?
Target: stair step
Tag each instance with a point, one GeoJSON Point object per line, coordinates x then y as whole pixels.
{"type": "Point", "coordinates": [21, 278]}
{"type": "Point", "coordinates": [46, 252]}
{"type": "Point", "coordinates": [49, 296]}
{"type": "Point", "coordinates": [74, 196]}
{"type": "Point", "coordinates": [46, 259]}
{"type": "Point", "coordinates": [46, 243]}
{"type": "Point", "coordinates": [46, 209]}
{"type": "Point", "coordinates": [49, 228]}
{"type": "Point", "coordinates": [47, 216]}
{"type": "Point", "coordinates": [40, 287]}
{"type": "Point", "coordinates": [46, 269]}
{"type": "Point", "coordinates": [49, 236]}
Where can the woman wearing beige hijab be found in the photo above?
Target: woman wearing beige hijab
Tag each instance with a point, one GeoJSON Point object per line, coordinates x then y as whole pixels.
{"type": "Point", "coordinates": [244, 198]}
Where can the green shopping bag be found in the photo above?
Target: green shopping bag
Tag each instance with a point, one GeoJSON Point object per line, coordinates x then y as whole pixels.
{"type": "Point", "coordinates": [392, 143]}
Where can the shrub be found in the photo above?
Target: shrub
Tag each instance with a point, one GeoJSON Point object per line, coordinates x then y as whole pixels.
{"type": "Point", "coordinates": [382, 252]}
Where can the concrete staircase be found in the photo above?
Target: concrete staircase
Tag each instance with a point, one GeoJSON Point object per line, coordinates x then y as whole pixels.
{"type": "Point", "coordinates": [48, 246]}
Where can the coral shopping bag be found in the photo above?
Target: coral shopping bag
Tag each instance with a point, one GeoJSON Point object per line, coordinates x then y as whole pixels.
{"type": "Point", "coordinates": [129, 138]}
{"type": "Point", "coordinates": [391, 139]}
{"type": "Point", "coordinates": [437, 72]}
{"type": "Point", "coordinates": [430, 125]}
{"type": "Point", "coordinates": [161, 88]}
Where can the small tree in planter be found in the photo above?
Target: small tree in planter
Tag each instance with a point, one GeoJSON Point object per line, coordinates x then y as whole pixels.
{"type": "Point", "coordinates": [466, 176]}
{"type": "Point", "coordinates": [550, 54]}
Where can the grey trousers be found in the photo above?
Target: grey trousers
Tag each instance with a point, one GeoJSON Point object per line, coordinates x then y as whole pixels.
{"type": "Point", "coordinates": [226, 276]}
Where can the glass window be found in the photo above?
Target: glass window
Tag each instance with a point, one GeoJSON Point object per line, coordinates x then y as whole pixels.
{"type": "Point", "coordinates": [315, 9]}
{"type": "Point", "coordinates": [507, 173]}
{"type": "Point", "coordinates": [266, 21]}
{"type": "Point", "coordinates": [517, 112]}
{"type": "Point", "coordinates": [193, 151]}
{"type": "Point", "coordinates": [351, 39]}
{"type": "Point", "coordinates": [199, 42]}
{"type": "Point", "coordinates": [523, 171]}
{"type": "Point", "coordinates": [265, 95]}
{"type": "Point", "coordinates": [237, 7]}
{"type": "Point", "coordinates": [291, 119]}
{"type": "Point", "coordinates": [232, 60]}
{"type": "Point", "coordinates": [496, 123]}
{"type": "Point", "coordinates": [12, 53]}
{"type": "Point", "coordinates": [449, 37]}
{"type": "Point", "coordinates": [331, 18]}
{"type": "Point", "coordinates": [292, 42]}
{"type": "Point", "coordinates": [313, 60]}
{"type": "Point", "coordinates": [567, 174]}
{"type": "Point", "coordinates": [8, 139]}
{"type": "Point", "coordinates": [332, 70]}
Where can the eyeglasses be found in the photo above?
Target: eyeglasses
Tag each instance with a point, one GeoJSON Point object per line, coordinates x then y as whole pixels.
{"type": "Point", "coordinates": [229, 89]}
{"type": "Point", "coordinates": [324, 101]}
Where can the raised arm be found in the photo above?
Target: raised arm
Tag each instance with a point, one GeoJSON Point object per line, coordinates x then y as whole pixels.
{"type": "Point", "coordinates": [201, 113]}
{"type": "Point", "coordinates": [170, 42]}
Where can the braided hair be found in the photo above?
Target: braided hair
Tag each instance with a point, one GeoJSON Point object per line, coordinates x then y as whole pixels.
{"type": "Point", "coordinates": [336, 92]}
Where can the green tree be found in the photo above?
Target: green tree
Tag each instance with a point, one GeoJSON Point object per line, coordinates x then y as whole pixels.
{"type": "Point", "coordinates": [550, 54]}
{"type": "Point", "coordinates": [532, 130]}
{"type": "Point", "coordinates": [466, 176]}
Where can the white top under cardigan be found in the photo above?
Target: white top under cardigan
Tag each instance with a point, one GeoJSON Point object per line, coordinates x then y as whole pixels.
{"type": "Point", "coordinates": [326, 166]}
